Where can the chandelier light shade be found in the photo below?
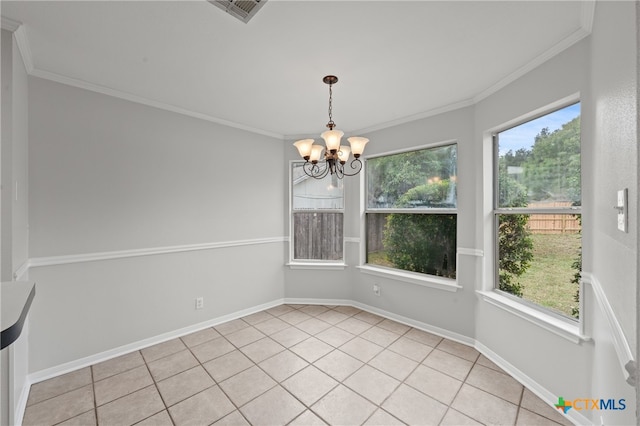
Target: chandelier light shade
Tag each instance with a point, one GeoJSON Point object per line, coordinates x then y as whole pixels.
{"type": "Point", "coordinates": [336, 156]}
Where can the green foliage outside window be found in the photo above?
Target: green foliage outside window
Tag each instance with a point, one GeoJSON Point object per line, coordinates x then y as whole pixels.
{"type": "Point", "coordinates": [546, 172]}
{"type": "Point", "coordinates": [415, 238]}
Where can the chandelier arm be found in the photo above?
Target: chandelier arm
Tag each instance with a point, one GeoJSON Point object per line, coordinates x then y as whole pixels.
{"type": "Point", "coordinates": [356, 165]}
{"type": "Point", "coordinates": [339, 170]}
{"type": "Point", "coordinates": [314, 171]}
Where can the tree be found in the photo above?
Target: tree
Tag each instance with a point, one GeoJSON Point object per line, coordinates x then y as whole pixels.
{"type": "Point", "coordinates": [514, 239]}
{"type": "Point", "coordinates": [390, 177]}
{"type": "Point", "coordinates": [404, 234]}
{"type": "Point", "coordinates": [552, 170]}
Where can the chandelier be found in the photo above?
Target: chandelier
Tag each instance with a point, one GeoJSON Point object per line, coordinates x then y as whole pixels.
{"type": "Point", "coordinates": [335, 155]}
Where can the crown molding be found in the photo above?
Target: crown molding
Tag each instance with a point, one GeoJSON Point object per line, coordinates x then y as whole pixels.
{"type": "Point", "coordinates": [25, 50]}
{"type": "Point", "coordinates": [75, 82]}
{"type": "Point", "coordinates": [20, 35]}
{"type": "Point", "coordinates": [586, 25]}
{"type": "Point", "coordinates": [9, 24]}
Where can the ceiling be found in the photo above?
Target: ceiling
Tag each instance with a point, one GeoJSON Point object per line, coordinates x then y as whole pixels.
{"type": "Point", "coordinates": [396, 60]}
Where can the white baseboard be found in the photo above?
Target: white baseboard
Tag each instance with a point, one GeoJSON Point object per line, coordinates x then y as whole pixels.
{"type": "Point", "coordinates": [58, 370]}
{"type": "Point", "coordinates": [532, 385]}
{"type": "Point", "coordinates": [529, 383]}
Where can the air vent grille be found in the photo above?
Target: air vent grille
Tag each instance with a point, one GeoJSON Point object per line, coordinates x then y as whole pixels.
{"type": "Point", "coordinates": [244, 10]}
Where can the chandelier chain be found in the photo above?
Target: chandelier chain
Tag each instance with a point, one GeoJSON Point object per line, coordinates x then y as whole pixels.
{"type": "Point", "coordinates": [331, 124]}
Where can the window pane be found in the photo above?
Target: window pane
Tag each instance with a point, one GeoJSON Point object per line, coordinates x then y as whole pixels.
{"type": "Point", "coordinates": [417, 179]}
{"type": "Point", "coordinates": [424, 243]}
{"type": "Point", "coordinates": [539, 162]}
{"type": "Point", "coordinates": [310, 193]}
{"type": "Point", "coordinates": [318, 236]}
{"type": "Point", "coordinates": [540, 259]}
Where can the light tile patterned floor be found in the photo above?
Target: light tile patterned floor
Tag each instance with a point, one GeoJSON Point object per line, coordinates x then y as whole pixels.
{"type": "Point", "coordinates": [293, 365]}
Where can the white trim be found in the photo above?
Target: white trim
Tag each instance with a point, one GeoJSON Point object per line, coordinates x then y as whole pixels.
{"type": "Point", "coordinates": [317, 265]}
{"type": "Point", "coordinates": [20, 35]}
{"type": "Point", "coordinates": [354, 240]}
{"type": "Point", "coordinates": [48, 373]}
{"type": "Point", "coordinates": [537, 389]}
{"type": "Point", "coordinates": [9, 24]}
{"type": "Point", "coordinates": [308, 301]}
{"type": "Point", "coordinates": [21, 404]}
{"type": "Point", "coordinates": [563, 328]}
{"type": "Point", "coordinates": [419, 116]}
{"type": "Point", "coordinates": [588, 14]}
{"type": "Point", "coordinates": [586, 24]}
{"type": "Point", "coordinates": [20, 274]}
{"type": "Point", "coordinates": [23, 46]}
{"type": "Point", "coordinates": [424, 280]}
{"type": "Point", "coordinates": [385, 314]}
{"type": "Point", "coordinates": [620, 342]}
{"type": "Point", "coordinates": [70, 81]}
{"type": "Point", "coordinates": [460, 338]}
{"type": "Point", "coordinates": [548, 397]}
{"type": "Point", "coordinates": [564, 44]}
{"type": "Point", "coordinates": [470, 252]}
{"type": "Point", "coordinates": [92, 257]}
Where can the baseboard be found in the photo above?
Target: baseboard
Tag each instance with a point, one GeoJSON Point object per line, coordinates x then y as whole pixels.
{"type": "Point", "coordinates": [460, 338]}
{"type": "Point", "coordinates": [21, 405]}
{"type": "Point", "coordinates": [141, 344]}
{"type": "Point", "coordinates": [529, 383]}
{"type": "Point", "coordinates": [532, 385]}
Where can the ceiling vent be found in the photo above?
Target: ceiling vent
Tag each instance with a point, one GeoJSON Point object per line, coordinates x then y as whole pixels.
{"type": "Point", "coordinates": [241, 9]}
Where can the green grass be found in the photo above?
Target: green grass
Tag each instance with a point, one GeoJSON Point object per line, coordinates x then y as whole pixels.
{"type": "Point", "coordinates": [379, 258]}
{"type": "Point", "coordinates": [548, 281]}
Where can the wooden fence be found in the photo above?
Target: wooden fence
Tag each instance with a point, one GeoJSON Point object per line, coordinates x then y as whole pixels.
{"type": "Point", "coordinates": [318, 235]}
{"type": "Point", "coordinates": [553, 223]}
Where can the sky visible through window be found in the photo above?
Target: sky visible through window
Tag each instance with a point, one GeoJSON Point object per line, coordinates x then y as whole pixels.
{"type": "Point", "coordinates": [523, 136]}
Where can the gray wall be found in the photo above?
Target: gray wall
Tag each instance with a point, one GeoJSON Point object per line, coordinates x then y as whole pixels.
{"type": "Point", "coordinates": [14, 224]}
{"type": "Point", "coordinates": [108, 175]}
{"type": "Point", "coordinates": [614, 133]}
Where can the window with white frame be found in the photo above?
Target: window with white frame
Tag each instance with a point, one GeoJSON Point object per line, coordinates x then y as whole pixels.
{"type": "Point", "coordinates": [537, 211]}
{"type": "Point", "coordinates": [411, 210]}
{"type": "Point", "coordinates": [317, 217]}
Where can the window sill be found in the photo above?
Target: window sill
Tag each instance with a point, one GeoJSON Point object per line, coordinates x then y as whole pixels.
{"type": "Point", "coordinates": [317, 265]}
{"type": "Point", "coordinates": [430, 281]}
{"type": "Point", "coordinates": [567, 329]}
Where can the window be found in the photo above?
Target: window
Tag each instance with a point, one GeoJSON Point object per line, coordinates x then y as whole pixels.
{"type": "Point", "coordinates": [411, 211]}
{"type": "Point", "coordinates": [537, 211]}
{"type": "Point", "coordinates": [317, 216]}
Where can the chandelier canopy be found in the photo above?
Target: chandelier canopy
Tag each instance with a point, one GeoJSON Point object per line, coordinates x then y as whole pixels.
{"type": "Point", "coordinates": [335, 155]}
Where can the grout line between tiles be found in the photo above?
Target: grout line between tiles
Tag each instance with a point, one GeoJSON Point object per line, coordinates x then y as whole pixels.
{"type": "Point", "coordinates": [316, 313]}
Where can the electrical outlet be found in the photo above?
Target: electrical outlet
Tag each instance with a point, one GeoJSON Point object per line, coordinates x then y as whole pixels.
{"type": "Point", "coordinates": [376, 289]}
{"type": "Point", "coordinates": [199, 302]}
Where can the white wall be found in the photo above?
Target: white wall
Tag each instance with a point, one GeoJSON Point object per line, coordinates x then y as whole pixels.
{"type": "Point", "coordinates": [108, 175]}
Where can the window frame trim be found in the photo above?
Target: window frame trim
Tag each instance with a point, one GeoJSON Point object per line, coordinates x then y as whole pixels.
{"type": "Point", "coordinates": [531, 311]}
{"type": "Point", "coordinates": [312, 263]}
{"type": "Point", "coordinates": [425, 280]}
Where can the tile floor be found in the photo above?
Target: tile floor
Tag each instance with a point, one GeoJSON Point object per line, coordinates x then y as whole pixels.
{"type": "Point", "coordinates": [293, 365]}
